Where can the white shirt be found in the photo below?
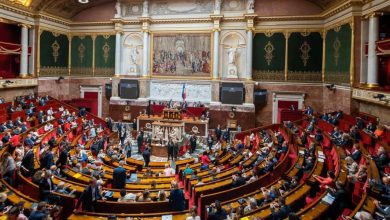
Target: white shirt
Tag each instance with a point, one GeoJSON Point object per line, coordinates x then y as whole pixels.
{"type": "Point", "coordinates": [169, 171]}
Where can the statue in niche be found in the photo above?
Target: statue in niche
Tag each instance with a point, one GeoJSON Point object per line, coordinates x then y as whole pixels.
{"type": "Point", "coordinates": [250, 6]}
{"type": "Point", "coordinates": [118, 9]}
{"type": "Point", "coordinates": [145, 8]}
{"type": "Point", "coordinates": [217, 6]}
{"type": "Point", "coordinates": [232, 51]}
{"type": "Point", "coordinates": [133, 57]}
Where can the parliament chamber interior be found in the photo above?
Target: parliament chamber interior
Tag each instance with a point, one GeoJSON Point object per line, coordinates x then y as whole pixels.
{"type": "Point", "coordinates": [195, 109]}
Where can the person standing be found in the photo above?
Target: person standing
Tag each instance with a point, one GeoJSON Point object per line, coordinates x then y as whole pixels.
{"type": "Point", "coordinates": [193, 140]}
{"type": "Point", "coordinates": [119, 176]}
{"type": "Point", "coordinates": [218, 132]}
{"type": "Point", "coordinates": [28, 161]}
{"type": "Point", "coordinates": [170, 149]}
{"type": "Point", "coordinates": [146, 155]}
{"type": "Point", "coordinates": [140, 140]}
{"type": "Point", "coordinates": [46, 186]}
{"type": "Point", "coordinates": [8, 167]}
{"type": "Point", "coordinates": [89, 196]}
{"type": "Point", "coordinates": [210, 141]}
{"type": "Point", "coordinates": [175, 150]}
{"type": "Point", "coordinates": [176, 198]}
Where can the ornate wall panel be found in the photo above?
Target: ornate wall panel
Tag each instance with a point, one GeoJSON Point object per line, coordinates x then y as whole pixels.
{"type": "Point", "coordinates": [269, 51]}
{"type": "Point", "coordinates": [105, 55]}
{"type": "Point", "coordinates": [165, 7]}
{"type": "Point", "coordinates": [338, 54]}
{"type": "Point", "coordinates": [305, 57]}
{"type": "Point", "coordinates": [166, 90]}
{"type": "Point", "coordinates": [81, 56]}
{"type": "Point", "coordinates": [54, 54]}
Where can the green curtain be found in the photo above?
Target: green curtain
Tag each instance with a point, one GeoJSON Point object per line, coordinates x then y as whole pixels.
{"type": "Point", "coordinates": [269, 56]}
{"type": "Point", "coordinates": [105, 55]}
{"type": "Point", "coordinates": [81, 54]}
{"type": "Point", "coordinates": [338, 55]}
{"type": "Point", "coordinates": [54, 50]}
{"type": "Point", "coordinates": [305, 57]}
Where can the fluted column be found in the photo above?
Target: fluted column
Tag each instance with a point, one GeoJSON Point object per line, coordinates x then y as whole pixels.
{"type": "Point", "coordinates": [24, 51]}
{"type": "Point", "coordinates": [145, 54]}
{"type": "Point", "coordinates": [118, 37]}
{"type": "Point", "coordinates": [249, 49]}
{"type": "Point", "coordinates": [216, 55]}
{"type": "Point", "coordinates": [31, 59]}
{"type": "Point", "coordinates": [372, 70]}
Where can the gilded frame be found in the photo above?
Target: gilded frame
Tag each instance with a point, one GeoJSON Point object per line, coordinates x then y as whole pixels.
{"type": "Point", "coordinates": [162, 33]}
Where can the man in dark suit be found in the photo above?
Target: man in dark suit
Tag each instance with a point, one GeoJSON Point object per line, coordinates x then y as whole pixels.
{"type": "Point", "coordinates": [170, 146]}
{"type": "Point", "coordinates": [119, 177]}
{"type": "Point", "coordinates": [45, 187]}
{"type": "Point", "coordinates": [210, 141]}
{"type": "Point", "coordinates": [89, 197]}
{"type": "Point", "coordinates": [175, 150]}
{"type": "Point", "coordinates": [283, 212]}
{"type": "Point", "coordinates": [146, 155]}
{"type": "Point", "coordinates": [47, 160]}
{"type": "Point", "coordinates": [28, 161]}
{"type": "Point", "coordinates": [193, 143]}
{"type": "Point", "coordinates": [140, 140]}
{"type": "Point", "coordinates": [218, 132]}
{"type": "Point", "coordinates": [63, 157]}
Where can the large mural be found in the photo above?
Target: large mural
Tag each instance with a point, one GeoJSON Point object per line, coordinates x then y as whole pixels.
{"type": "Point", "coordinates": [184, 55]}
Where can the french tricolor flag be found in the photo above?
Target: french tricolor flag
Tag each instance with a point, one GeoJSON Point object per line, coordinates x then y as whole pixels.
{"type": "Point", "coordinates": [183, 92]}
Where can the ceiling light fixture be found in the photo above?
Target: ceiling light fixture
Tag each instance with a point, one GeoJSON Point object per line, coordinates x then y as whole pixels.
{"type": "Point", "coordinates": [84, 1]}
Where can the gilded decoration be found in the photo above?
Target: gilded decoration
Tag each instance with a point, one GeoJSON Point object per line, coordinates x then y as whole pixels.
{"type": "Point", "coordinates": [269, 49]}
{"type": "Point", "coordinates": [81, 50]}
{"type": "Point", "coordinates": [337, 77]}
{"type": "Point", "coordinates": [305, 49]}
{"type": "Point", "coordinates": [269, 75]}
{"type": "Point", "coordinates": [336, 47]}
{"type": "Point", "coordinates": [55, 47]}
{"type": "Point", "coordinates": [106, 52]}
{"type": "Point", "coordinates": [304, 76]}
{"type": "Point", "coordinates": [53, 71]}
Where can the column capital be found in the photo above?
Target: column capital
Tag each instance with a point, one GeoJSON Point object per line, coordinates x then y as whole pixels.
{"type": "Point", "coordinates": [287, 34]}
{"type": "Point", "coordinates": [25, 25]}
{"type": "Point", "coordinates": [118, 32]}
{"type": "Point", "coordinates": [373, 14]}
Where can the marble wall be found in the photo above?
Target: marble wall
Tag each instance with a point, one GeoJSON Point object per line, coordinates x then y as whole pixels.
{"type": "Point", "coordinates": [380, 111]}
{"type": "Point", "coordinates": [286, 7]}
{"type": "Point", "coordinates": [10, 93]}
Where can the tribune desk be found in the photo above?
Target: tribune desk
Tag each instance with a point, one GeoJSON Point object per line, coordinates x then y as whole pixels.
{"type": "Point", "coordinates": [190, 124]}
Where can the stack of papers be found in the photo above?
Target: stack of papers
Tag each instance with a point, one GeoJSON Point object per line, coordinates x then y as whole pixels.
{"type": "Point", "coordinates": [328, 198]}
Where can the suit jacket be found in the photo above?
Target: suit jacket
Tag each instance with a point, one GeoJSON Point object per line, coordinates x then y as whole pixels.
{"type": "Point", "coordinates": [177, 200]}
{"type": "Point", "coordinates": [86, 198]}
{"type": "Point", "coordinates": [47, 160]}
{"type": "Point", "coordinates": [282, 213]}
{"type": "Point", "coordinates": [28, 161]}
{"type": "Point", "coordinates": [119, 178]}
{"type": "Point", "coordinates": [44, 189]}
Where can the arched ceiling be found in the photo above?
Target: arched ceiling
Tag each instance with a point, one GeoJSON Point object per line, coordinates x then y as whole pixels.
{"type": "Point", "coordinates": [70, 8]}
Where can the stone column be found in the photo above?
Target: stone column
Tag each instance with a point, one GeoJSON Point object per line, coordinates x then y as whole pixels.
{"type": "Point", "coordinates": [118, 42]}
{"type": "Point", "coordinates": [249, 49]}
{"type": "Point", "coordinates": [363, 58]}
{"type": "Point", "coordinates": [145, 63]}
{"type": "Point", "coordinates": [32, 41]}
{"type": "Point", "coordinates": [372, 70]}
{"type": "Point", "coordinates": [24, 52]}
{"type": "Point", "coordinates": [249, 88]}
{"type": "Point", "coordinates": [216, 55]}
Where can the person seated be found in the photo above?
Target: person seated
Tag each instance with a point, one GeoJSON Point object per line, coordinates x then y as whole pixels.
{"type": "Point", "coordinates": [345, 140]}
{"type": "Point", "coordinates": [238, 180]}
{"type": "Point", "coordinates": [309, 110]}
{"type": "Point", "coordinates": [381, 158]}
{"type": "Point", "coordinates": [280, 210]}
{"type": "Point", "coordinates": [327, 181]}
{"type": "Point", "coordinates": [325, 117]}
{"type": "Point", "coordinates": [371, 127]}
{"type": "Point", "coordinates": [168, 171]}
{"type": "Point", "coordinates": [2, 101]}
{"type": "Point", "coordinates": [333, 120]}
{"type": "Point", "coordinates": [19, 108]}
{"type": "Point", "coordinates": [379, 132]}
{"type": "Point", "coordinates": [355, 152]}
{"type": "Point", "coordinates": [310, 127]}
{"type": "Point", "coordinates": [318, 136]}
{"type": "Point", "coordinates": [354, 133]}
{"type": "Point", "coordinates": [335, 134]}
{"type": "Point", "coordinates": [361, 175]}
{"type": "Point", "coordinates": [383, 211]}
{"type": "Point", "coordinates": [339, 114]}
{"type": "Point", "coordinates": [63, 189]}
